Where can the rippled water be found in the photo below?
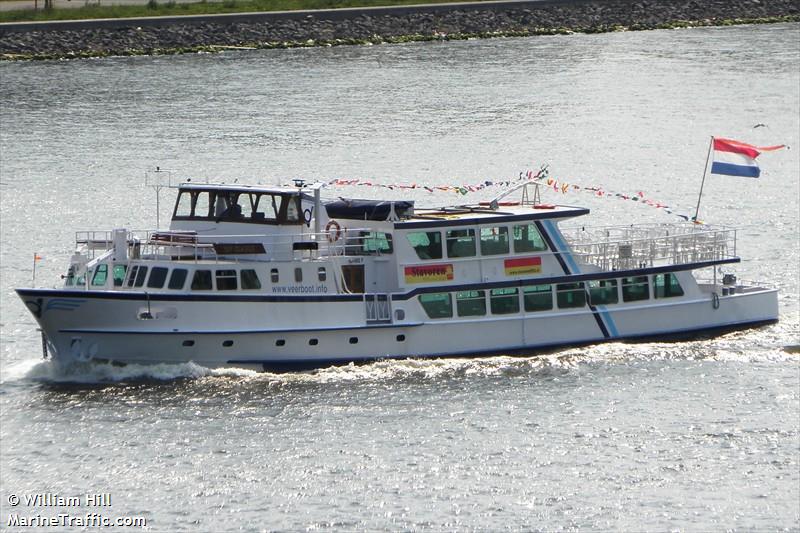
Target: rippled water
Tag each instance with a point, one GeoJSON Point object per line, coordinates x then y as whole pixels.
{"type": "Point", "coordinates": [695, 436]}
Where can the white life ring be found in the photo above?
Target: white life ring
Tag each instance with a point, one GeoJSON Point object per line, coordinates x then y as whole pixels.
{"type": "Point", "coordinates": [334, 231]}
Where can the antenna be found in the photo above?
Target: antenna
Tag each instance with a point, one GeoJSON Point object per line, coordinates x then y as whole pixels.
{"type": "Point", "coordinates": [158, 179]}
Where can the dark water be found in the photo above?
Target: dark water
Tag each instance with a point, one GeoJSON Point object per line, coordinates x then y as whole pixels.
{"type": "Point", "coordinates": [695, 436]}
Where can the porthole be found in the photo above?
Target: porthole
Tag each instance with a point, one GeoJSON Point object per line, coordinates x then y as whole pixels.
{"type": "Point", "coordinates": [280, 342]}
{"type": "Point", "coordinates": [313, 342]}
{"type": "Point", "coordinates": [353, 340]}
{"type": "Point", "coordinates": [227, 344]}
{"type": "Point", "coordinates": [188, 343]}
{"type": "Point", "coordinates": [401, 338]}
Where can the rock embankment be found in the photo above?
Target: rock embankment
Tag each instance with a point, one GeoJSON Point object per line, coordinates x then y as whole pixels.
{"type": "Point", "coordinates": [176, 35]}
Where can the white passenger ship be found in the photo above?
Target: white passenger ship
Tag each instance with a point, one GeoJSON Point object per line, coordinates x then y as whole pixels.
{"type": "Point", "coordinates": [271, 277]}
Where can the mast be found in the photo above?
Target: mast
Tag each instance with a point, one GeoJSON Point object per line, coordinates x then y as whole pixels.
{"type": "Point", "coordinates": [705, 171]}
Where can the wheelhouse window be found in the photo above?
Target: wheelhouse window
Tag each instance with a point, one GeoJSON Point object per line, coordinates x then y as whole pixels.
{"type": "Point", "coordinates": [177, 279]}
{"type": "Point", "coordinates": [237, 205]}
{"type": "Point", "coordinates": [537, 297]}
{"type": "Point", "coordinates": [471, 303]}
{"type": "Point", "coordinates": [570, 295]}
{"type": "Point", "coordinates": [603, 292]}
{"type": "Point", "coordinates": [504, 301]}
{"type": "Point", "coordinates": [100, 275]}
{"type": "Point", "coordinates": [158, 275]}
{"type": "Point", "coordinates": [427, 244]}
{"type": "Point", "coordinates": [635, 288]}
{"type": "Point", "coordinates": [494, 241]}
{"type": "Point", "coordinates": [528, 239]}
{"type": "Point", "coordinates": [666, 286]}
{"type": "Point", "coordinates": [226, 280]}
{"type": "Point", "coordinates": [250, 279]}
{"type": "Point", "coordinates": [437, 305]}
{"type": "Point", "coordinates": [461, 243]}
{"type": "Point", "coordinates": [201, 280]}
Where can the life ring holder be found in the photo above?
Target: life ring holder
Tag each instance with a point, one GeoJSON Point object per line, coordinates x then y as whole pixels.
{"type": "Point", "coordinates": [334, 231]}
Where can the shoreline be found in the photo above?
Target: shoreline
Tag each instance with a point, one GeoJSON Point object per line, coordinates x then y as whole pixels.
{"type": "Point", "coordinates": [442, 22]}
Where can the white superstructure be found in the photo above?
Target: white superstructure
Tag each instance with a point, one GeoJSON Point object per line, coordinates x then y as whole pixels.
{"type": "Point", "coordinates": [277, 277]}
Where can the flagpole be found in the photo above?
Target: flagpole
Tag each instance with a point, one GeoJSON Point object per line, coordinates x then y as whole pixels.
{"type": "Point", "coordinates": [33, 282]}
{"type": "Point", "coordinates": [705, 170]}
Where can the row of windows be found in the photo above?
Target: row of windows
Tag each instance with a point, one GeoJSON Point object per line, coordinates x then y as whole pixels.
{"type": "Point", "coordinates": [282, 342]}
{"type": "Point", "coordinates": [239, 206]}
{"type": "Point", "coordinates": [202, 280]}
{"type": "Point", "coordinates": [541, 297]}
{"type": "Point", "coordinates": [465, 242]}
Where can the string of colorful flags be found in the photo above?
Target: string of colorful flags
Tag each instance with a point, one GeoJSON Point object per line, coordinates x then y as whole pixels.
{"type": "Point", "coordinates": [540, 176]}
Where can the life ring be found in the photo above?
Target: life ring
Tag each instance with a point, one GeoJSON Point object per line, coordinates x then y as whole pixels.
{"type": "Point", "coordinates": [334, 230]}
{"type": "Point", "coordinates": [544, 206]}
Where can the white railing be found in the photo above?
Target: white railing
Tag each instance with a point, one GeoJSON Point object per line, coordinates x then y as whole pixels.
{"type": "Point", "coordinates": [164, 244]}
{"type": "Point", "coordinates": [647, 245]}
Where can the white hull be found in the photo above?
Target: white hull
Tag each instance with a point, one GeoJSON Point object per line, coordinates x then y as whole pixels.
{"type": "Point", "coordinates": [279, 334]}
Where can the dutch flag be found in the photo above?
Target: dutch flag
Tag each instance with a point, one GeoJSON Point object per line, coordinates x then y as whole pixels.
{"type": "Point", "coordinates": [734, 158]}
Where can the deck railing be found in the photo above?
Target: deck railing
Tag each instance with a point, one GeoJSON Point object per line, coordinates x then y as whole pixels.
{"type": "Point", "coordinates": [624, 247]}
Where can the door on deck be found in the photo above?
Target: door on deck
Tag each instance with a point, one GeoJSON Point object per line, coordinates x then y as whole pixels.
{"type": "Point", "coordinates": [353, 277]}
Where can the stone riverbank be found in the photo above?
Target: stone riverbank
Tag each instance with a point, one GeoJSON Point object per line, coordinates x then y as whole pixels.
{"type": "Point", "coordinates": [377, 25]}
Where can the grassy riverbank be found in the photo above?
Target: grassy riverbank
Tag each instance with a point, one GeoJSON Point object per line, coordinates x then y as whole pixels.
{"type": "Point", "coordinates": [161, 8]}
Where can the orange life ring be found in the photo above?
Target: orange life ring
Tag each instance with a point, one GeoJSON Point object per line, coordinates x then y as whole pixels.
{"type": "Point", "coordinates": [334, 235]}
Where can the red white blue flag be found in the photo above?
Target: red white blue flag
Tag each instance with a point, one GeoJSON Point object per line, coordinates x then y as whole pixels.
{"type": "Point", "coordinates": [734, 158]}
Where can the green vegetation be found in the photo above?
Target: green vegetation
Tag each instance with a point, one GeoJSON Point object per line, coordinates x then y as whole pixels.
{"type": "Point", "coordinates": [156, 8]}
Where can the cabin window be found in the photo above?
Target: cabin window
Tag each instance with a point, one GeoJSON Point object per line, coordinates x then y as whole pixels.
{"type": "Point", "coordinates": [537, 297]}
{"type": "Point", "coordinates": [183, 206]}
{"type": "Point", "coordinates": [603, 292]}
{"type": "Point", "coordinates": [273, 275]}
{"type": "Point", "coordinates": [81, 280]}
{"type": "Point", "coordinates": [177, 279]}
{"type": "Point", "coordinates": [437, 304]}
{"type": "Point", "coordinates": [292, 208]}
{"type": "Point", "coordinates": [461, 243]}
{"type": "Point", "coordinates": [322, 274]}
{"type": "Point", "coordinates": [635, 288]}
{"type": "Point", "coordinates": [132, 276]}
{"type": "Point", "coordinates": [100, 275]}
{"type": "Point", "coordinates": [494, 241]}
{"type": "Point", "coordinates": [666, 286]}
{"type": "Point", "coordinates": [201, 280]}
{"type": "Point", "coordinates": [427, 244]}
{"type": "Point", "coordinates": [376, 242]}
{"type": "Point", "coordinates": [471, 303]}
{"type": "Point", "coordinates": [203, 205]}
{"type": "Point", "coordinates": [118, 274]}
{"type": "Point", "coordinates": [140, 276]}
{"type": "Point", "coordinates": [504, 301]}
{"type": "Point", "coordinates": [570, 295]}
{"type": "Point", "coordinates": [158, 275]}
{"type": "Point", "coordinates": [528, 239]}
{"type": "Point", "coordinates": [250, 280]}
{"type": "Point", "coordinates": [298, 275]}
{"type": "Point", "coordinates": [226, 280]}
